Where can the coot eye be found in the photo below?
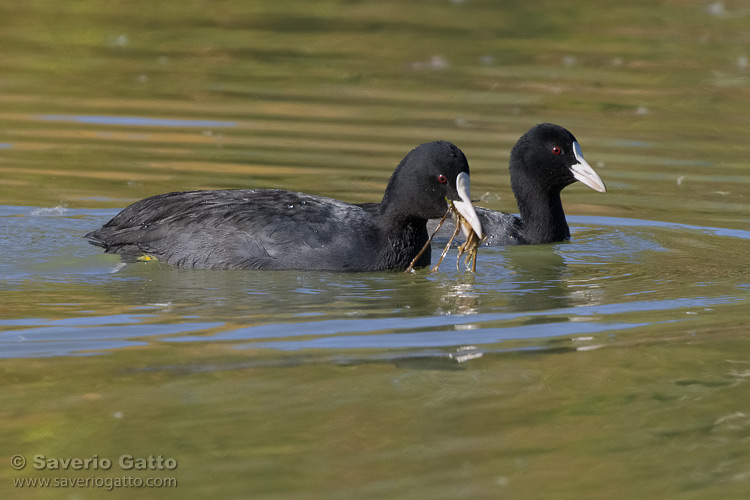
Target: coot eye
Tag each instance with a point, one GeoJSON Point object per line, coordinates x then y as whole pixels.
{"type": "Point", "coordinates": [556, 150]}
{"type": "Point", "coordinates": [442, 179]}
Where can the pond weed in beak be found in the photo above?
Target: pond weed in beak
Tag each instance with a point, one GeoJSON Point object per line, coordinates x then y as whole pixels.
{"type": "Point", "coordinates": [469, 247]}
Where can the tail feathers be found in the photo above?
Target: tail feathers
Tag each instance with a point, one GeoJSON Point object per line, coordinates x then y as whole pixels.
{"type": "Point", "coordinates": [94, 238]}
{"type": "Point", "coordinates": [120, 242]}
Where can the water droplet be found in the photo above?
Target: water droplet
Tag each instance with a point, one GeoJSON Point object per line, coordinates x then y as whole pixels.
{"type": "Point", "coordinates": [120, 40]}
{"type": "Point", "coordinates": [569, 61]}
{"type": "Point", "coordinates": [716, 9]}
{"type": "Point", "coordinates": [487, 60]}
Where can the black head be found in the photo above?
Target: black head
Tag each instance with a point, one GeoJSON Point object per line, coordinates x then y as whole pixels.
{"type": "Point", "coordinates": [425, 179]}
{"type": "Point", "coordinates": [549, 157]}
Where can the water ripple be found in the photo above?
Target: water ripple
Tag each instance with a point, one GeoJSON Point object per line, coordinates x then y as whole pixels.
{"type": "Point", "coordinates": [438, 331]}
{"type": "Point", "coordinates": [625, 222]}
{"type": "Point", "coordinates": [139, 121]}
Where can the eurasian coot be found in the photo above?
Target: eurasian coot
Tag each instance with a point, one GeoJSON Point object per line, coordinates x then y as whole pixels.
{"type": "Point", "coordinates": [545, 159]}
{"type": "Point", "coordinates": [277, 229]}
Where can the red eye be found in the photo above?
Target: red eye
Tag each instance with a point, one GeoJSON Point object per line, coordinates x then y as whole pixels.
{"type": "Point", "coordinates": [442, 179]}
{"type": "Point", "coordinates": [556, 150]}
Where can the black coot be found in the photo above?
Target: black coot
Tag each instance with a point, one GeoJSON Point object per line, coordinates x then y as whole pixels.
{"type": "Point", "coordinates": [276, 229]}
{"type": "Point", "coordinates": [545, 159]}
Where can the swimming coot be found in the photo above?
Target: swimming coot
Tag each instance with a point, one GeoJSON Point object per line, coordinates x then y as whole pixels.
{"type": "Point", "coordinates": [277, 229]}
{"type": "Point", "coordinates": [545, 159]}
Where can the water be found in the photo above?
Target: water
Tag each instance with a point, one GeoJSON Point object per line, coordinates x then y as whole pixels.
{"type": "Point", "coordinates": [610, 366]}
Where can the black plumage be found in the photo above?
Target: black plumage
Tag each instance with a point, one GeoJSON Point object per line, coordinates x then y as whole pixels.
{"type": "Point", "coordinates": [545, 160]}
{"type": "Point", "coordinates": [278, 229]}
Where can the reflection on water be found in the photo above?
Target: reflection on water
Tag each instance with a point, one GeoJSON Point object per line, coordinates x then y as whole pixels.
{"type": "Point", "coordinates": [539, 274]}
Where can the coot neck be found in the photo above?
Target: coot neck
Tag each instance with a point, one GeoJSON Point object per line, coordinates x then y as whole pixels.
{"type": "Point", "coordinates": [393, 219]}
{"type": "Point", "coordinates": [395, 211]}
{"type": "Point", "coordinates": [401, 237]}
{"type": "Point", "coordinates": [542, 215]}
{"type": "Point", "coordinates": [403, 229]}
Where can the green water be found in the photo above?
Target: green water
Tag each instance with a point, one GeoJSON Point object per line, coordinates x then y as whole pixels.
{"type": "Point", "coordinates": [610, 366]}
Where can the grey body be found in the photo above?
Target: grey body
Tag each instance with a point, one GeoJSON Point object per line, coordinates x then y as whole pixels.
{"type": "Point", "coordinates": [258, 229]}
{"type": "Point", "coordinates": [278, 229]}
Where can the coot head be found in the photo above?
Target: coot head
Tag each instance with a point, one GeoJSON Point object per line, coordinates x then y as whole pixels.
{"type": "Point", "coordinates": [429, 177]}
{"type": "Point", "coordinates": [548, 157]}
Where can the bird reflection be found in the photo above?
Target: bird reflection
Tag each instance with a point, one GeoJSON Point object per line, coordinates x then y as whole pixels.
{"type": "Point", "coordinates": [460, 296]}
